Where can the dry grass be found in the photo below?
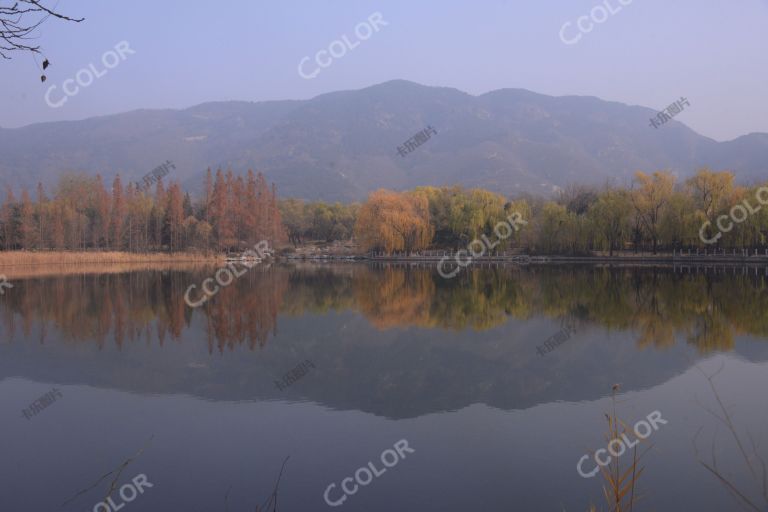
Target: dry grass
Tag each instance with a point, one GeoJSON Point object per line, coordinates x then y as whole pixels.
{"type": "Point", "coordinates": [18, 272]}
{"type": "Point", "coordinates": [271, 504]}
{"type": "Point", "coordinates": [14, 258]}
{"type": "Point", "coordinates": [620, 487]}
{"type": "Point", "coordinates": [23, 264]}
{"type": "Point", "coordinates": [751, 496]}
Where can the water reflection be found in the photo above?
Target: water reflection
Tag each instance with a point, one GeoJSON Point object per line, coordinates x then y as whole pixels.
{"type": "Point", "coordinates": [145, 305]}
{"type": "Point", "coordinates": [397, 342]}
{"type": "Point", "coordinates": [395, 353]}
{"type": "Point", "coordinates": [657, 304]}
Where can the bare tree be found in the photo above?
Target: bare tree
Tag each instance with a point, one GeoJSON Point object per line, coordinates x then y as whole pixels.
{"type": "Point", "coordinates": [18, 23]}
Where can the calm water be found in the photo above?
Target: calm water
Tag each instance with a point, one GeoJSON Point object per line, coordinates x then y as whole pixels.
{"type": "Point", "coordinates": [390, 354]}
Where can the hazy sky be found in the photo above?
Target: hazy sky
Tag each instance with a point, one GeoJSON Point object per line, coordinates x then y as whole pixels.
{"type": "Point", "coordinates": [650, 53]}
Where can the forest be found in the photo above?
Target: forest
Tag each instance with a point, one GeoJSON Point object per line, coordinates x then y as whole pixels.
{"type": "Point", "coordinates": [82, 214]}
{"type": "Point", "coordinates": [656, 213]}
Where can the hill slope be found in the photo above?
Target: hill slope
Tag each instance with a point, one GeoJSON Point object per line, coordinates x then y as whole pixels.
{"type": "Point", "coordinates": [342, 145]}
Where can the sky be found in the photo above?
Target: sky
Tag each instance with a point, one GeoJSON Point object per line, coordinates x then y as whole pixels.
{"type": "Point", "coordinates": [186, 52]}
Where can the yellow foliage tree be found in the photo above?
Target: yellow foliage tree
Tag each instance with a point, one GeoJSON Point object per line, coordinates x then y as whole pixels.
{"type": "Point", "coordinates": [650, 196]}
{"type": "Point", "coordinates": [711, 193]}
{"type": "Point", "coordinates": [394, 221]}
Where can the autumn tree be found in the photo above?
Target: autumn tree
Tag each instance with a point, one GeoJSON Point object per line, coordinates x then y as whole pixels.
{"type": "Point", "coordinates": [679, 223]}
{"type": "Point", "coordinates": [118, 215]}
{"type": "Point", "coordinates": [220, 217]}
{"type": "Point", "coordinates": [551, 224]}
{"type": "Point", "coordinates": [9, 220]}
{"type": "Point", "coordinates": [208, 195]}
{"type": "Point", "coordinates": [294, 219]}
{"type": "Point", "coordinates": [392, 221]}
{"type": "Point", "coordinates": [650, 194]}
{"type": "Point", "coordinates": [28, 230]}
{"type": "Point", "coordinates": [174, 217]}
{"type": "Point", "coordinates": [101, 215]}
{"type": "Point", "coordinates": [262, 196]}
{"type": "Point", "coordinates": [242, 210]}
{"type": "Point", "coordinates": [610, 216]}
{"type": "Point", "coordinates": [711, 193]}
{"type": "Point", "coordinates": [42, 215]}
{"type": "Point", "coordinates": [157, 216]}
{"type": "Point", "coordinates": [709, 190]}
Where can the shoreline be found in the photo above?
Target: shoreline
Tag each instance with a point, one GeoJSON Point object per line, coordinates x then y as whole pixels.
{"type": "Point", "coordinates": [523, 260]}
{"type": "Point", "coordinates": [16, 259]}
{"type": "Point", "coordinates": [29, 259]}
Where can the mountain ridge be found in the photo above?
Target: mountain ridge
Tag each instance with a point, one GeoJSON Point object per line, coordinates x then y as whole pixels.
{"type": "Point", "coordinates": [342, 145]}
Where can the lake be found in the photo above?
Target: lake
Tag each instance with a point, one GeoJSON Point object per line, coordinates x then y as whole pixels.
{"type": "Point", "coordinates": [498, 382]}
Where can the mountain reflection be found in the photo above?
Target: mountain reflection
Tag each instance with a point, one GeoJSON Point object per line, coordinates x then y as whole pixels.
{"type": "Point", "coordinates": [659, 305]}
{"type": "Point", "coordinates": [656, 303]}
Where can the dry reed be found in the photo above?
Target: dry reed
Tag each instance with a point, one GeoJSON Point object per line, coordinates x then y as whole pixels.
{"type": "Point", "coordinates": [619, 489]}
{"type": "Point", "coordinates": [748, 499]}
{"type": "Point", "coordinates": [23, 258]}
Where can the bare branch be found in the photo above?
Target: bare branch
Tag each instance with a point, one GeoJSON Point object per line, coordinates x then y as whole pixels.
{"type": "Point", "coordinates": [19, 22]}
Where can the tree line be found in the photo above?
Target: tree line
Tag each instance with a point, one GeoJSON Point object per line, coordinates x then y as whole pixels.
{"type": "Point", "coordinates": [317, 220]}
{"type": "Point", "coordinates": [655, 213]}
{"type": "Point", "coordinates": [81, 214]}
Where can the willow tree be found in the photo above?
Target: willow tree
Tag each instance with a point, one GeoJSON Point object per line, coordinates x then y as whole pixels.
{"type": "Point", "coordinates": [650, 194]}
{"type": "Point", "coordinates": [393, 221]}
{"type": "Point", "coordinates": [712, 193]}
{"type": "Point", "coordinates": [552, 224]}
{"type": "Point", "coordinates": [610, 217]}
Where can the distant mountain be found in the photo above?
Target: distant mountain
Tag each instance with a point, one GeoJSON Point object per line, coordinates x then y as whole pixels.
{"type": "Point", "coordinates": [342, 145]}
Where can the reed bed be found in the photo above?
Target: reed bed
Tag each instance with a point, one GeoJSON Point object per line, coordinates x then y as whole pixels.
{"type": "Point", "coordinates": [31, 264]}
{"type": "Point", "coordinates": [26, 258]}
{"type": "Point", "coordinates": [18, 272]}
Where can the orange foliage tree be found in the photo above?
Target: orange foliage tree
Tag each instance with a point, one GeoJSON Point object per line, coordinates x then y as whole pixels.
{"type": "Point", "coordinates": [82, 214]}
{"type": "Point", "coordinates": [394, 221]}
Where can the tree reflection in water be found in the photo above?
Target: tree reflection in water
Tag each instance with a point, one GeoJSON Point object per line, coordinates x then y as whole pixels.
{"type": "Point", "coordinates": [657, 304]}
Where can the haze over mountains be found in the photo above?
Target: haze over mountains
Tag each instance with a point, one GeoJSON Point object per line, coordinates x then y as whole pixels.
{"type": "Point", "coordinates": [342, 145]}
